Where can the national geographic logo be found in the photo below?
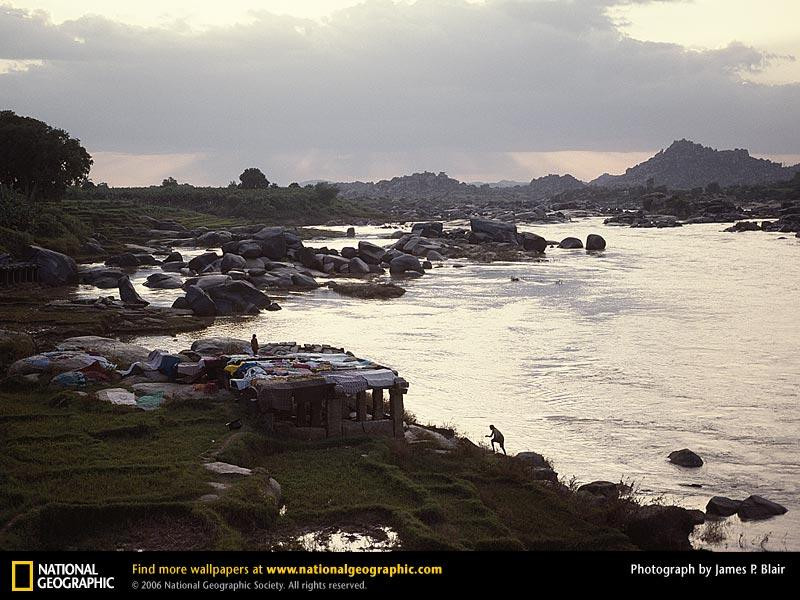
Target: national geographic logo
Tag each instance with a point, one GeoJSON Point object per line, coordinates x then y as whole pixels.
{"type": "Point", "coordinates": [27, 577]}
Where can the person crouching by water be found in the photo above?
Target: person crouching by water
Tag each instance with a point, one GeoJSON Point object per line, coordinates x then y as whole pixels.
{"type": "Point", "coordinates": [254, 345]}
{"type": "Point", "coordinates": [497, 438]}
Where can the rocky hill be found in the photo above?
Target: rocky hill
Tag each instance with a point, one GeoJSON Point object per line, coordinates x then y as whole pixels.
{"type": "Point", "coordinates": [427, 185]}
{"type": "Point", "coordinates": [686, 165]}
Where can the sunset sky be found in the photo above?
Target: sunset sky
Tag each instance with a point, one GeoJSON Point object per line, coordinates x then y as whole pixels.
{"type": "Point", "coordinates": [345, 90]}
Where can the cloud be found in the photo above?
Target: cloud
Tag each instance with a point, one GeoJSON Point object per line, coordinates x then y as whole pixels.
{"type": "Point", "coordinates": [381, 86]}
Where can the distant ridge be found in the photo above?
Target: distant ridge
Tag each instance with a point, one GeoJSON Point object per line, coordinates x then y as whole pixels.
{"type": "Point", "coordinates": [686, 165]}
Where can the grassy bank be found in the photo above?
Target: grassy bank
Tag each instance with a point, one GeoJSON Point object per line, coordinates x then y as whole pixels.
{"type": "Point", "coordinates": [76, 473]}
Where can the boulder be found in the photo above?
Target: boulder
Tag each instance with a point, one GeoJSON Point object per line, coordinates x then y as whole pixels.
{"type": "Point", "coordinates": [367, 290]}
{"type": "Point", "coordinates": [173, 257]}
{"type": "Point", "coordinates": [128, 294]}
{"type": "Point", "coordinates": [348, 252]}
{"type": "Point", "coordinates": [429, 229]}
{"type": "Point", "coordinates": [217, 346]}
{"type": "Point", "coordinates": [754, 508]}
{"type": "Point", "coordinates": [661, 528]}
{"type": "Point", "coordinates": [570, 243]}
{"type": "Point", "coordinates": [434, 255]}
{"type": "Point", "coordinates": [351, 232]}
{"type": "Point", "coordinates": [595, 242]}
{"type": "Point", "coordinates": [173, 267]}
{"type": "Point", "coordinates": [532, 242]}
{"type": "Point", "coordinates": [604, 489]}
{"type": "Point", "coordinates": [127, 259]}
{"type": "Point", "coordinates": [308, 258]}
{"type": "Point", "coordinates": [146, 259]}
{"type": "Point", "coordinates": [402, 264]}
{"type": "Point", "coordinates": [533, 458]}
{"type": "Point", "coordinates": [249, 249]}
{"type": "Point", "coordinates": [358, 266]}
{"type": "Point", "coordinates": [722, 506]}
{"type": "Point", "coordinates": [164, 281]}
{"type": "Point", "coordinates": [120, 353]}
{"type": "Point", "coordinates": [370, 253]}
{"type": "Point", "coordinates": [105, 277]}
{"type": "Point", "coordinates": [685, 458]}
{"type": "Point", "coordinates": [208, 281]}
{"type": "Point", "coordinates": [119, 396]}
{"type": "Point", "coordinates": [214, 238]}
{"type": "Point", "coordinates": [232, 262]}
{"type": "Point", "coordinates": [496, 231]}
{"type": "Point", "coordinates": [199, 263]}
{"type": "Point", "coordinates": [304, 281]}
{"type": "Point", "coordinates": [53, 268]}
{"type": "Point", "coordinates": [199, 302]}
{"type": "Point", "coordinates": [238, 297]}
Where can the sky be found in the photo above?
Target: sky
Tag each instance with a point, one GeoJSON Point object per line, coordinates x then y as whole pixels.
{"type": "Point", "coordinates": [346, 90]}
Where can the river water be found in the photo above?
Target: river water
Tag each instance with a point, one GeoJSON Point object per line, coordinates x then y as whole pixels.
{"type": "Point", "coordinates": [671, 338]}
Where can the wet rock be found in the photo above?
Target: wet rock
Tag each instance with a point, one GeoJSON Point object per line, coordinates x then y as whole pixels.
{"type": "Point", "coordinates": [429, 229]}
{"type": "Point", "coordinates": [54, 268]}
{"type": "Point", "coordinates": [570, 243]}
{"type": "Point", "coordinates": [128, 294]}
{"type": "Point", "coordinates": [495, 230]}
{"type": "Point", "coordinates": [309, 259]}
{"type": "Point", "coordinates": [181, 303]}
{"type": "Point", "coordinates": [755, 508]}
{"type": "Point", "coordinates": [351, 232]}
{"type": "Point", "coordinates": [199, 302]}
{"type": "Point", "coordinates": [348, 252]}
{"type": "Point", "coordinates": [404, 264]}
{"type": "Point", "coordinates": [208, 281]}
{"type": "Point", "coordinates": [595, 242]}
{"type": "Point", "coordinates": [163, 281]}
{"type": "Point", "coordinates": [722, 507]}
{"type": "Point", "coordinates": [173, 257]}
{"type": "Point", "coordinates": [146, 259]}
{"type": "Point", "coordinates": [685, 458]}
{"type": "Point", "coordinates": [274, 246]}
{"type": "Point", "coordinates": [656, 527]}
{"type": "Point", "coordinates": [434, 255]}
{"type": "Point", "coordinates": [173, 267]}
{"type": "Point", "coordinates": [238, 297]}
{"type": "Point", "coordinates": [367, 290]}
{"type": "Point", "coordinates": [105, 277]}
{"type": "Point", "coordinates": [532, 242]}
{"type": "Point", "coordinates": [232, 262]}
{"type": "Point", "coordinates": [214, 238]}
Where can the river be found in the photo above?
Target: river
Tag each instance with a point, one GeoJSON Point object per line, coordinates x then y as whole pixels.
{"type": "Point", "coordinates": [671, 338]}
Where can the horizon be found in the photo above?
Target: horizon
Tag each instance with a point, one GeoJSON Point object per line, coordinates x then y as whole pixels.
{"type": "Point", "coordinates": [344, 91]}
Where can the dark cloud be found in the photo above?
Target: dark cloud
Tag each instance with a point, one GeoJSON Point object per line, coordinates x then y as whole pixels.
{"type": "Point", "coordinates": [439, 79]}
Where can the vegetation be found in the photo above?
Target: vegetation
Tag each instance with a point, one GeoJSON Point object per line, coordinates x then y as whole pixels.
{"type": "Point", "coordinates": [76, 473]}
{"type": "Point", "coordinates": [37, 160]}
{"type": "Point", "coordinates": [253, 179]}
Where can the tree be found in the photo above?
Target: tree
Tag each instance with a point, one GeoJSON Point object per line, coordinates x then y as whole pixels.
{"type": "Point", "coordinates": [169, 182]}
{"type": "Point", "coordinates": [38, 160]}
{"type": "Point", "coordinates": [325, 192]}
{"type": "Point", "coordinates": [253, 179]}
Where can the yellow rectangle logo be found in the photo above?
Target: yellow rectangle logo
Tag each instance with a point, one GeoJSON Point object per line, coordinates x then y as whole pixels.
{"type": "Point", "coordinates": [21, 583]}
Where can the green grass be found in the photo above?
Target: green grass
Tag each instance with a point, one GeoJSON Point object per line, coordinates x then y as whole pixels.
{"type": "Point", "coordinates": [78, 474]}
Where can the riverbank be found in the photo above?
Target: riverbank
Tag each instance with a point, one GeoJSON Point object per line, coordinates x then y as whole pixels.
{"type": "Point", "coordinates": [82, 474]}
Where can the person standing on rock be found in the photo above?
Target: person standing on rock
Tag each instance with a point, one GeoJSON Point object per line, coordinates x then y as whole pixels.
{"type": "Point", "coordinates": [254, 345]}
{"type": "Point", "coordinates": [497, 438]}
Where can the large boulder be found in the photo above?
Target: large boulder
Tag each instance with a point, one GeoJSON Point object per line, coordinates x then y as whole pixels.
{"type": "Point", "coordinates": [309, 258]}
{"type": "Point", "coordinates": [214, 238]}
{"type": "Point", "coordinates": [497, 231]}
{"type": "Point", "coordinates": [402, 264]}
{"type": "Point", "coordinates": [216, 346]}
{"type": "Point", "coordinates": [430, 229]}
{"type": "Point", "coordinates": [722, 507]}
{"type": "Point", "coordinates": [603, 489]}
{"type": "Point", "coordinates": [128, 294]}
{"type": "Point", "coordinates": [249, 249]}
{"type": "Point", "coordinates": [164, 281]}
{"type": "Point", "coordinates": [595, 242]}
{"type": "Point", "coordinates": [54, 268]}
{"type": "Point", "coordinates": [304, 281]}
{"type": "Point", "coordinates": [685, 458]}
{"type": "Point", "coordinates": [358, 266]}
{"type": "Point", "coordinates": [755, 508]}
{"type": "Point", "coordinates": [105, 277]}
{"type": "Point", "coordinates": [173, 257]}
{"type": "Point", "coordinates": [661, 528]}
{"type": "Point", "coordinates": [532, 242]}
{"type": "Point", "coordinates": [232, 262]}
{"type": "Point", "coordinates": [238, 297]}
{"type": "Point", "coordinates": [570, 243]}
{"type": "Point", "coordinates": [120, 353]}
{"type": "Point", "coordinates": [370, 253]}
{"type": "Point", "coordinates": [199, 263]}
{"type": "Point", "coordinates": [199, 302]}
{"type": "Point", "coordinates": [274, 247]}
{"type": "Point", "coordinates": [126, 259]}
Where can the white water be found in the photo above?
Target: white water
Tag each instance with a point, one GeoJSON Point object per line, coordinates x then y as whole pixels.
{"type": "Point", "coordinates": [671, 338]}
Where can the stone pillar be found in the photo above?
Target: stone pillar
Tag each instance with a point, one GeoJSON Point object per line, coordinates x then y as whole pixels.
{"type": "Point", "coordinates": [361, 406]}
{"type": "Point", "coordinates": [333, 423]}
{"type": "Point", "coordinates": [396, 409]}
{"type": "Point", "coordinates": [377, 404]}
